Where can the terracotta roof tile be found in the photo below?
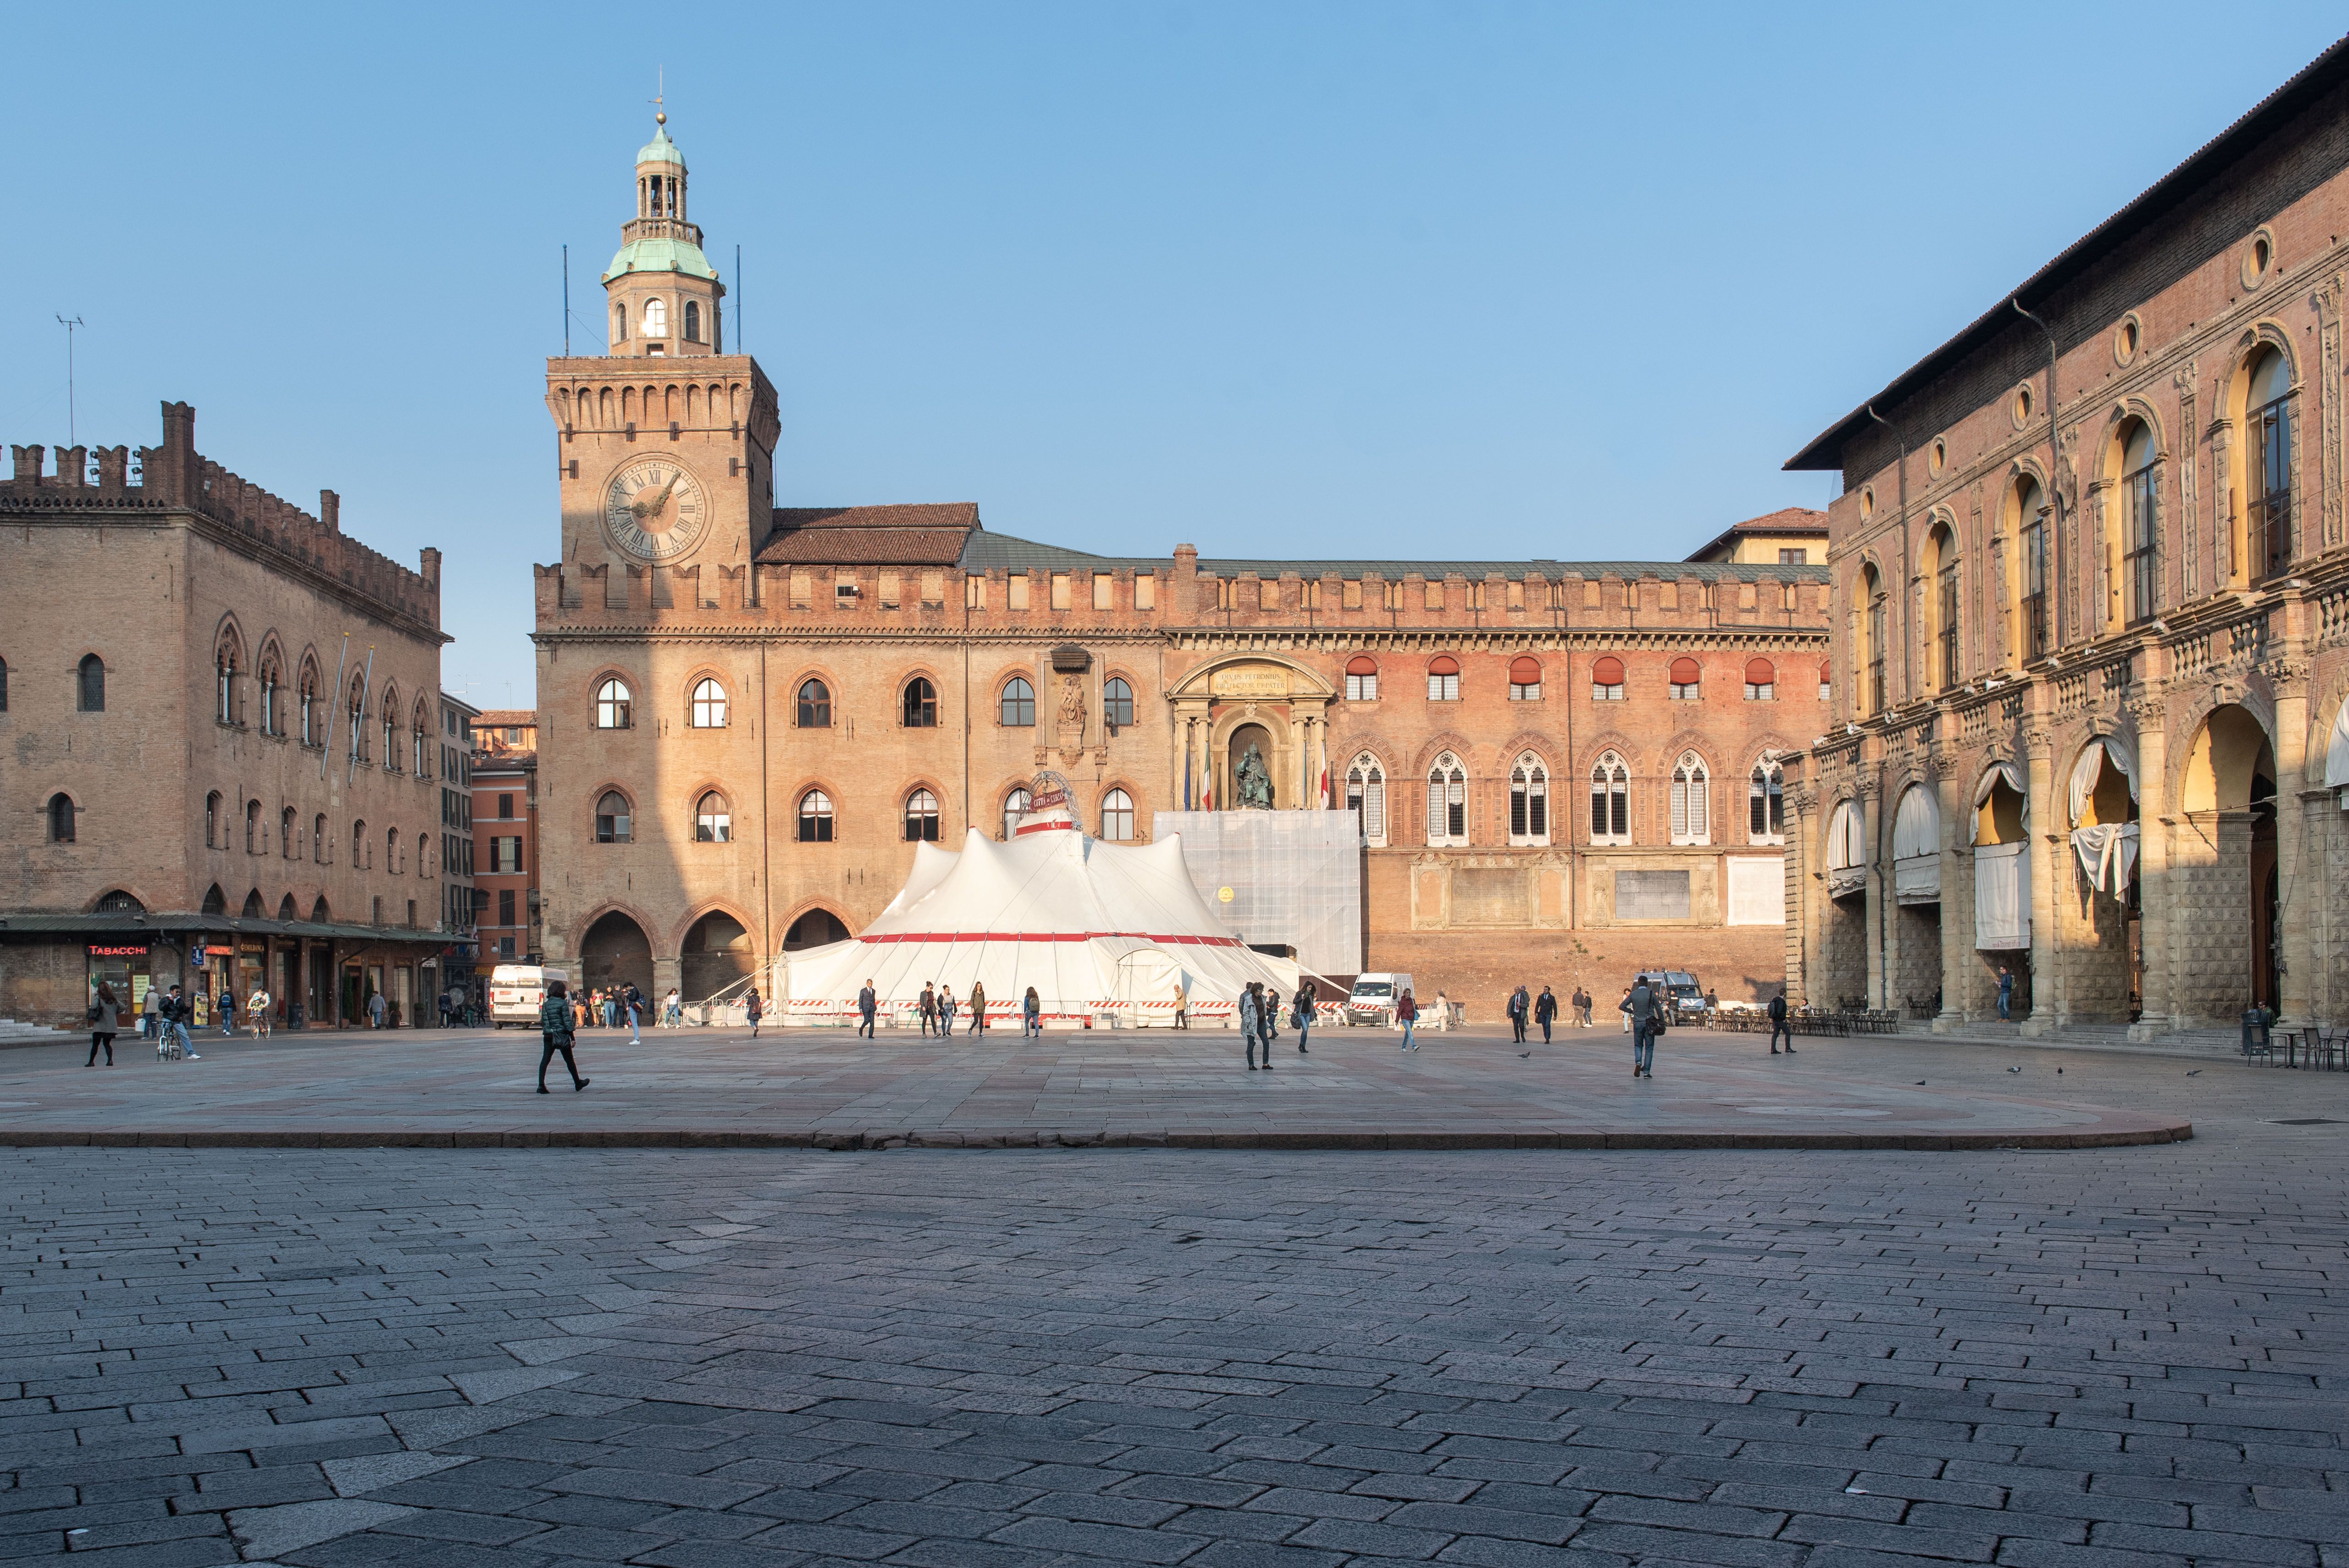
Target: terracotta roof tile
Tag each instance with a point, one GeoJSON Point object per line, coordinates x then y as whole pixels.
{"type": "Point", "coordinates": [903, 535]}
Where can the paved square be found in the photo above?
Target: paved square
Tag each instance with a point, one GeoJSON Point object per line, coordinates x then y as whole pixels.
{"type": "Point", "coordinates": [2110, 1357]}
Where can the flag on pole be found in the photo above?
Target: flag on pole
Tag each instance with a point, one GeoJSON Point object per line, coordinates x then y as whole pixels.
{"type": "Point", "coordinates": [1325, 785]}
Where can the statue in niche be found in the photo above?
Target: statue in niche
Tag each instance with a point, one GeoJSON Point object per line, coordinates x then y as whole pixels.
{"type": "Point", "coordinates": [1252, 782]}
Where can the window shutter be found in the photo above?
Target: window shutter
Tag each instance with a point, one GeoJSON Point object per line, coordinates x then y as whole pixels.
{"type": "Point", "coordinates": [1760, 671]}
{"type": "Point", "coordinates": [1685, 672]}
{"type": "Point", "coordinates": [1608, 671]}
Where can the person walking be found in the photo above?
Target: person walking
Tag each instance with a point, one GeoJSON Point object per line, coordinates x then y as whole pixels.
{"type": "Point", "coordinates": [633, 1002]}
{"type": "Point", "coordinates": [945, 1012]}
{"type": "Point", "coordinates": [928, 1009]}
{"type": "Point", "coordinates": [151, 1014]}
{"type": "Point", "coordinates": [977, 1009]}
{"type": "Point", "coordinates": [555, 1023]}
{"type": "Point", "coordinates": [1641, 1016]}
{"type": "Point", "coordinates": [1520, 1006]}
{"type": "Point", "coordinates": [1624, 1007]}
{"type": "Point", "coordinates": [673, 1010]}
{"type": "Point", "coordinates": [1545, 1010]}
{"type": "Point", "coordinates": [174, 1020]}
{"type": "Point", "coordinates": [1252, 1024]}
{"type": "Point", "coordinates": [1182, 1003]}
{"type": "Point", "coordinates": [256, 1011]}
{"type": "Point", "coordinates": [1300, 1013]}
{"type": "Point", "coordinates": [376, 1008]}
{"type": "Point", "coordinates": [2006, 992]}
{"type": "Point", "coordinates": [1407, 1014]}
{"type": "Point", "coordinates": [867, 1004]}
{"type": "Point", "coordinates": [226, 1008]}
{"type": "Point", "coordinates": [1582, 1003]}
{"type": "Point", "coordinates": [1031, 1016]}
{"type": "Point", "coordinates": [104, 1014]}
{"type": "Point", "coordinates": [1778, 1025]}
{"type": "Point", "coordinates": [752, 1007]}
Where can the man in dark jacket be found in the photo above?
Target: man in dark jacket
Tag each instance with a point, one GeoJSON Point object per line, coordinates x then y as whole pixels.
{"type": "Point", "coordinates": [1645, 1013]}
{"type": "Point", "coordinates": [1519, 1004]}
{"type": "Point", "coordinates": [555, 1023]}
{"type": "Point", "coordinates": [632, 1001]}
{"type": "Point", "coordinates": [1545, 1011]}
{"type": "Point", "coordinates": [1778, 1025]}
{"type": "Point", "coordinates": [866, 1003]}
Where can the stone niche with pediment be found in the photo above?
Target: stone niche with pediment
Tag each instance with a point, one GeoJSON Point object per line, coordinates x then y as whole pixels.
{"type": "Point", "coordinates": [1226, 705]}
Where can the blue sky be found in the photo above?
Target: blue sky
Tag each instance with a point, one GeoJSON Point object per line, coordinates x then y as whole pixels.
{"type": "Point", "coordinates": [1357, 278]}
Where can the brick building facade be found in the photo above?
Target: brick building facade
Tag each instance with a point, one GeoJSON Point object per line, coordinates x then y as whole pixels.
{"type": "Point", "coordinates": [505, 815]}
{"type": "Point", "coordinates": [2093, 639]}
{"type": "Point", "coordinates": [220, 756]}
{"type": "Point", "coordinates": [748, 715]}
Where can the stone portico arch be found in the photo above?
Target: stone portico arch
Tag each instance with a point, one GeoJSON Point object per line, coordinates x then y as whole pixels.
{"type": "Point", "coordinates": [1230, 699]}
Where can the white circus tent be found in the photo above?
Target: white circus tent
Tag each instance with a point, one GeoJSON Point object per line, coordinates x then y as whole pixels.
{"type": "Point", "coordinates": [1096, 928]}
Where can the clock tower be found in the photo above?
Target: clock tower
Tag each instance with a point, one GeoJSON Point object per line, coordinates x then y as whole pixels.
{"type": "Point", "coordinates": [666, 442]}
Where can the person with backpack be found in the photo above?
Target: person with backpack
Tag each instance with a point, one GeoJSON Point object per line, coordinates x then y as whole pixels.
{"type": "Point", "coordinates": [1031, 1014]}
{"type": "Point", "coordinates": [1778, 1025]}
{"type": "Point", "coordinates": [752, 1007]}
{"type": "Point", "coordinates": [1300, 1013]}
{"type": "Point", "coordinates": [1545, 1012]}
{"type": "Point", "coordinates": [1643, 1015]}
{"type": "Point", "coordinates": [555, 1027]}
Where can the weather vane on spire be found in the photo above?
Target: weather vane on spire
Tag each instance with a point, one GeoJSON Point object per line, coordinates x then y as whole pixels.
{"type": "Point", "coordinates": [660, 91]}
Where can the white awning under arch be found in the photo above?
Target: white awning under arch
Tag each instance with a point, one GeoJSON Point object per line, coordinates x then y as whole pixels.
{"type": "Point", "coordinates": [1917, 846]}
{"type": "Point", "coordinates": [2003, 772]}
{"type": "Point", "coordinates": [2122, 755]}
{"type": "Point", "coordinates": [2336, 755]}
{"type": "Point", "coordinates": [1847, 849]}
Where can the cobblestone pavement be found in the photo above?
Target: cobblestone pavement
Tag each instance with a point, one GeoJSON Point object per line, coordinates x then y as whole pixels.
{"type": "Point", "coordinates": [1085, 1087]}
{"type": "Point", "coordinates": [2104, 1359]}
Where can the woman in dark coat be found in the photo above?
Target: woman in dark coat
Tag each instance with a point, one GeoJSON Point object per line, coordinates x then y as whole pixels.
{"type": "Point", "coordinates": [556, 1025]}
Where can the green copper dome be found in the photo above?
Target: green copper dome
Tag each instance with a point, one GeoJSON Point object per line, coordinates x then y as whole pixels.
{"type": "Point", "coordinates": [660, 150]}
{"type": "Point", "coordinates": [661, 256]}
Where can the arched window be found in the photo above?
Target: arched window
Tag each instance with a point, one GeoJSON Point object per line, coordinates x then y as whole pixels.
{"type": "Point", "coordinates": [215, 901]}
{"type": "Point", "coordinates": [1447, 801]}
{"type": "Point", "coordinates": [612, 825]}
{"type": "Point", "coordinates": [2140, 524]}
{"type": "Point", "coordinates": [359, 718]}
{"type": "Point", "coordinates": [419, 753]}
{"type": "Point", "coordinates": [1366, 796]}
{"type": "Point", "coordinates": [612, 704]}
{"type": "Point", "coordinates": [1015, 806]}
{"type": "Point", "coordinates": [1826, 679]}
{"type": "Point", "coordinates": [423, 842]}
{"type": "Point", "coordinates": [254, 908]}
{"type": "Point", "coordinates": [815, 817]}
{"type": "Point", "coordinates": [253, 842]}
{"type": "Point", "coordinates": [1529, 800]}
{"type": "Point", "coordinates": [1117, 705]}
{"type": "Point", "coordinates": [1361, 678]}
{"type": "Point", "coordinates": [707, 709]}
{"type": "Point", "coordinates": [391, 731]}
{"type": "Point", "coordinates": [272, 722]}
{"type": "Point", "coordinates": [1873, 610]}
{"type": "Point", "coordinates": [61, 818]}
{"type": "Point", "coordinates": [656, 318]}
{"type": "Point", "coordinates": [693, 321]}
{"type": "Point", "coordinates": [713, 821]}
{"type": "Point", "coordinates": [921, 817]}
{"type": "Point", "coordinates": [2267, 466]}
{"type": "Point", "coordinates": [1117, 817]}
{"type": "Point", "coordinates": [90, 686]}
{"type": "Point", "coordinates": [921, 704]}
{"type": "Point", "coordinates": [1765, 804]}
{"type": "Point", "coordinates": [391, 852]}
{"type": "Point", "coordinates": [1443, 678]}
{"type": "Point", "coordinates": [619, 324]}
{"type": "Point", "coordinates": [213, 821]}
{"type": "Point", "coordinates": [4, 686]}
{"type": "Point", "coordinates": [1525, 680]}
{"type": "Point", "coordinates": [359, 846]}
{"type": "Point", "coordinates": [224, 672]}
{"type": "Point", "coordinates": [319, 913]}
{"type": "Point", "coordinates": [1686, 674]}
{"type": "Point", "coordinates": [2028, 575]}
{"type": "Point", "coordinates": [1611, 800]}
{"type": "Point", "coordinates": [1607, 679]}
{"type": "Point", "coordinates": [1941, 560]}
{"type": "Point", "coordinates": [1761, 680]}
{"type": "Point", "coordinates": [313, 726]}
{"type": "Point", "coordinates": [319, 840]}
{"type": "Point", "coordinates": [289, 834]}
{"type": "Point", "coordinates": [1017, 705]}
{"type": "Point", "coordinates": [814, 705]}
{"type": "Point", "coordinates": [1692, 795]}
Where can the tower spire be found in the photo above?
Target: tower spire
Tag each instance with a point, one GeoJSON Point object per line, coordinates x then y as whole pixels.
{"type": "Point", "coordinates": [665, 294]}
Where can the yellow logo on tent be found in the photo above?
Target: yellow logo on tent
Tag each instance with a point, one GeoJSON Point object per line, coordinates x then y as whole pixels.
{"type": "Point", "coordinates": [1223, 895]}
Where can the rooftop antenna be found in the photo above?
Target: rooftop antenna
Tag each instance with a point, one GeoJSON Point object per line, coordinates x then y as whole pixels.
{"type": "Point", "coordinates": [567, 302]}
{"type": "Point", "coordinates": [69, 325]}
{"type": "Point", "coordinates": [660, 90]}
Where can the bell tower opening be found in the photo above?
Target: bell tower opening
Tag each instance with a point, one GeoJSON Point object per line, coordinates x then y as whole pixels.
{"type": "Point", "coordinates": [665, 296]}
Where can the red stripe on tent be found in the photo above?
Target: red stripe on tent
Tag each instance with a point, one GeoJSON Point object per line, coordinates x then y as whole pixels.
{"type": "Point", "coordinates": [1022, 832]}
{"type": "Point", "coordinates": [1050, 936]}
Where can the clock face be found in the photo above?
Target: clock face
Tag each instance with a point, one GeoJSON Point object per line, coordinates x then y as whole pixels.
{"type": "Point", "coordinates": [654, 510]}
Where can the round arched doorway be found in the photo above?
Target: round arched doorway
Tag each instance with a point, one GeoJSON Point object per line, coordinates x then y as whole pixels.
{"type": "Point", "coordinates": [617, 953]}
{"type": "Point", "coordinates": [814, 929]}
{"type": "Point", "coordinates": [2229, 793]}
{"type": "Point", "coordinates": [717, 955]}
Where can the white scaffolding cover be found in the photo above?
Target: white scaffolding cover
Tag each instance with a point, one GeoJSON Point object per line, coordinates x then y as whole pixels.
{"type": "Point", "coordinates": [2336, 755]}
{"type": "Point", "coordinates": [1917, 846]}
{"type": "Point", "coordinates": [1085, 922]}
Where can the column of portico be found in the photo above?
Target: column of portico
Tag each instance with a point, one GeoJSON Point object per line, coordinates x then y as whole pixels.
{"type": "Point", "coordinates": [2297, 919]}
{"type": "Point", "coordinates": [1805, 931]}
{"type": "Point", "coordinates": [1957, 897]}
{"type": "Point", "coordinates": [1879, 922]}
{"type": "Point", "coordinates": [2043, 834]}
{"type": "Point", "coordinates": [2157, 891]}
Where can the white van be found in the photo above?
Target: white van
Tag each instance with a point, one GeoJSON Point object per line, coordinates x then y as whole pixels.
{"type": "Point", "coordinates": [517, 989]}
{"type": "Point", "coordinates": [1373, 998]}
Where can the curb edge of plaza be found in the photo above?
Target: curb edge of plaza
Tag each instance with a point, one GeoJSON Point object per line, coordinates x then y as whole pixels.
{"type": "Point", "coordinates": [874, 1141]}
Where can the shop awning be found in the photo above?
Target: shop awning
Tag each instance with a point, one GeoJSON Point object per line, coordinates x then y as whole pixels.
{"type": "Point", "coordinates": [2011, 775]}
{"type": "Point", "coordinates": [1916, 846]}
{"type": "Point", "coordinates": [159, 924]}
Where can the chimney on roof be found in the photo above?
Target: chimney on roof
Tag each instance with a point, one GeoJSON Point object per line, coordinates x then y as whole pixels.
{"type": "Point", "coordinates": [330, 510]}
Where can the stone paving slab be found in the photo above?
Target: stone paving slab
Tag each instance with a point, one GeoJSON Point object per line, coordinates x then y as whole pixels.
{"type": "Point", "coordinates": [542, 1358]}
{"type": "Point", "coordinates": [1353, 1089]}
